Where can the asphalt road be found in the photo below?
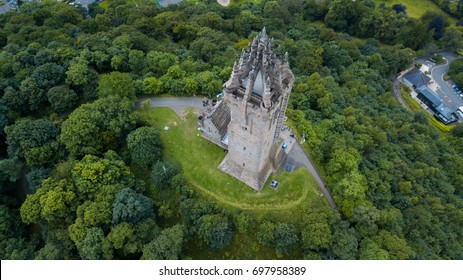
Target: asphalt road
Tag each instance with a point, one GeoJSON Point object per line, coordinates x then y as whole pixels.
{"type": "Point", "coordinates": [297, 156]}
{"type": "Point", "coordinates": [165, 3]}
{"type": "Point", "coordinates": [178, 104]}
{"type": "Point", "coordinates": [397, 93]}
{"type": "Point", "coordinates": [450, 98]}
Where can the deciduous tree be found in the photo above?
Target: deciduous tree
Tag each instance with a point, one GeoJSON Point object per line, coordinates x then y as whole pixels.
{"type": "Point", "coordinates": [62, 98]}
{"type": "Point", "coordinates": [116, 84]}
{"type": "Point", "coordinates": [131, 207]}
{"type": "Point", "coordinates": [285, 237]}
{"type": "Point", "coordinates": [167, 246]}
{"type": "Point", "coordinates": [145, 146]}
{"type": "Point", "coordinates": [215, 230]}
{"type": "Point", "coordinates": [93, 128]}
{"type": "Point", "coordinates": [33, 140]}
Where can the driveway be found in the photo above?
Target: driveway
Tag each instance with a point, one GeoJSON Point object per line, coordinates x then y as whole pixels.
{"type": "Point", "coordinates": [178, 104]}
{"type": "Point", "coordinates": [449, 97]}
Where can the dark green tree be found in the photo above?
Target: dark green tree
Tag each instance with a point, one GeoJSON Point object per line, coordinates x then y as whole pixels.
{"type": "Point", "coordinates": [91, 247]}
{"type": "Point", "coordinates": [30, 97]}
{"type": "Point", "coordinates": [167, 246]}
{"type": "Point", "coordinates": [49, 75]}
{"type": "Point", "coordinates": [345, 245]}
{"type": "Point", "coordinates": [62, 98]}
{"type": "Point", "coordinates": [10, 171]}
{"type": "Point", "coordinates": [215, 230]}
{"type": "Point", "coordinates": [97, 127]}
{"type": "Point", "coordinates": [131, 207]}
{"type": "Point", "coordinates": [3, 118]}
{"type": "Point", "coordinates": [36, 176]}
{"type": "Point", "coordinates": [145, 146]}
{"type": "Point", "coordinates": [286, 237]}
{"type": "Point", "coordinates": [33, 140]}
{"type": "Point", "coordinates": [163, 171]}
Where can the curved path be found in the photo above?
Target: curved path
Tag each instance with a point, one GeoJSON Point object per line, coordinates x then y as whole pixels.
{"type": "Point", "coordinates": [439, 85]}
{"type": "Point", "coordinates": [397, 93]}
{"type": "Point", "coordinates": [445, 92]}
{"type": "Point", "coordinates": [296, 156]}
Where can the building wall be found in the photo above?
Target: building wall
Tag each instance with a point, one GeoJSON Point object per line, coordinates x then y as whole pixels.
{"type": "Point", "coordinates": [250, 134]}
{"type": "Point", "coordinates": [210, 132]}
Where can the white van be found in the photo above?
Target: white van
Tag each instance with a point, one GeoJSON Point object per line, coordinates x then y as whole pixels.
{"type": "Point", "coordinates": [460, 112]}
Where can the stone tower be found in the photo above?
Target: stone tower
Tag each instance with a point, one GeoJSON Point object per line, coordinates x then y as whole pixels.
{"type": "Point", "coordinates": [257, 95]}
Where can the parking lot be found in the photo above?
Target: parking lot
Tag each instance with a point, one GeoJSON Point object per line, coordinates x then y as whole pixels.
{"type": "Point", "coordinates": [446, 90]}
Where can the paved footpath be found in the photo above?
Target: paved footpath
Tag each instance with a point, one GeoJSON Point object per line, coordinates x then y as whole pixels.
{"type": "Point", "coordinates": [297, 156]}
{"type": "Point", "coordinates": [178, 104]}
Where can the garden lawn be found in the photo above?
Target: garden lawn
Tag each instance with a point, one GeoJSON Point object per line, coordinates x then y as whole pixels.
{"type": "Point", "coordinates": [417, 8]}
{"type": "Point", "coordinates": [105, 4]}
{"type": "Point", "coordinates": [200, 160]}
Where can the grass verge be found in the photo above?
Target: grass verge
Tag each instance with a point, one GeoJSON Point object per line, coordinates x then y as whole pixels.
{"type": "Point", "coordinates": [105, 4]}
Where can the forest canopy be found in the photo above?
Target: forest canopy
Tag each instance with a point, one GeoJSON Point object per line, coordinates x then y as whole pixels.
{"type": "Point", "coordinates": [75, 182]}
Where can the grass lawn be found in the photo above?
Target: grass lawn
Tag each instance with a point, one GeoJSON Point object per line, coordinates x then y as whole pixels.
{"type": "Point", "coordinates": [105, 4]}
{"type": "Point", "coordinates": [416, 8]}
{"type": "Point", "coordinates": [200, 160]}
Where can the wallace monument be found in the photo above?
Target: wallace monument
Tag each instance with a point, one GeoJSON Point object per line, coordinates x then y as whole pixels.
{"type": "Point", "coordinates": [248, 121]}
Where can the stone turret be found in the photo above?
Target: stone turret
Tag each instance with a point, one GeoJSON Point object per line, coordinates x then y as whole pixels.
{"type": "Point", "coordinates": [248, 121]}
{"type": "Point", "coordinates": [257, 94]}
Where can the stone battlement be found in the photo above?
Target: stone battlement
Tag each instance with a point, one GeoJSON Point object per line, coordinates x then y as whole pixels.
{"type": "Point", "coordinates": [253, 107]}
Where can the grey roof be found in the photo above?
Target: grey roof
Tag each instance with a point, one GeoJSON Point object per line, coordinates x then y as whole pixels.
{"type": "Point", "coordinates": [165, 3]}
{"type": "Point", "coordinates": [430, 95]}
{"type": "Point", "coordinates": [445, 111]}
{"type": "Point", "coordinates": [221, 117]}
{"type": "Point", "coordinates": [84, 3]}
{"type": "Point", "coordinates": [5, 8]}
{"type": "Point", "coordinates": [417, 78]}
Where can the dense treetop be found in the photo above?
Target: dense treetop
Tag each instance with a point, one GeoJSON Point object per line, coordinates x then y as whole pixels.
{"type": "Point", "coordinates": [93, 182]}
